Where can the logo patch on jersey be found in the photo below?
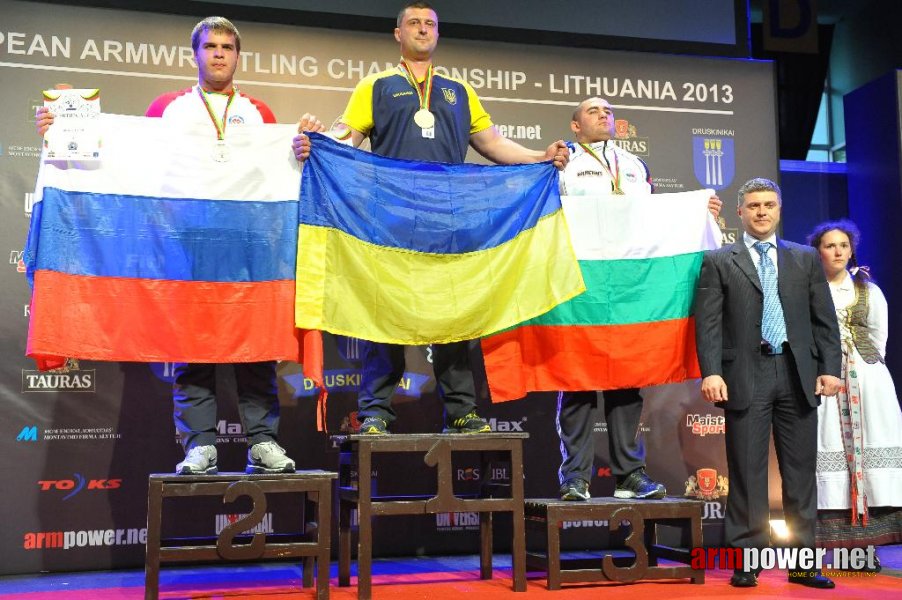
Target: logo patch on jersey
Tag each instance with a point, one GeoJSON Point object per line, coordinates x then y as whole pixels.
{"type": "Point", "coordinates": [236, 120]}
{"type": "Point", "coordinates": [450, 96]}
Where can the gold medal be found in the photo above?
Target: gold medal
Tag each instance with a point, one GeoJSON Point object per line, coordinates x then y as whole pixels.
{"type": "Point", "coordinates": [424, 119]}
{"type": "Point", "coordinates": [221, 150]}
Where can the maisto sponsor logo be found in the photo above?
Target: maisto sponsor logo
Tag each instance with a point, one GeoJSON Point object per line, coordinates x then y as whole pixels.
{"type": "Point", "coordinates": [792, 559]}
{"type": "Point", "coordinates": [15, 258]}
{"type": "Point", "coordinates": [77, 484]}
{"type": "Point", "coordinates": [73, 381]}
{"type": "Point", "coordinates": [702, 425]}
{"type": "Point", "coordinates": [83, 538]}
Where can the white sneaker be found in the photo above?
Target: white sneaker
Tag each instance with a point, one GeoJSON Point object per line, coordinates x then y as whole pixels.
{"type": "Point", "coordinates": [268, 457]}
{"type": "Point", "coordinates": [200, 460]}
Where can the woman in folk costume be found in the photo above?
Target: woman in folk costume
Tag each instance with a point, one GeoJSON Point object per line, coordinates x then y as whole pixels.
{"type": "Point", "coordinates": [859, 459]}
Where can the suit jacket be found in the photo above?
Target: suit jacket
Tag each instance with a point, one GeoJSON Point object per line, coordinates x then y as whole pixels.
{"type": "Point", "coordinates": [728, 306]}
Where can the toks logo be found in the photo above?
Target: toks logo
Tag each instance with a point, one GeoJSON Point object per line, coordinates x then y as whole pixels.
{"type": "Point", "coordinates": [706, 484]}
{"type": "Point", "coordinates": [77, 484]}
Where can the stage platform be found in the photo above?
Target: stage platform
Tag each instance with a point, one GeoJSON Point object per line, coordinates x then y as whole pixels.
{"type": "Point", "coordinates": [409, 578]}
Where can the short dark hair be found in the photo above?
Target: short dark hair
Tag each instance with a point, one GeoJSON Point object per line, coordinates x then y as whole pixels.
{"type": "Point", "coordinates": [218, 24]}
{"type": "Point", "coordinates": [759, 184]}
{"type": "Point", "coordinates": [425, 5]}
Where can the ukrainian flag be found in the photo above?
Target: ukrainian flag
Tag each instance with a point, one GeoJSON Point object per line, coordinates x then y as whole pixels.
{"type": "Point", "coordinates": [409, 252]}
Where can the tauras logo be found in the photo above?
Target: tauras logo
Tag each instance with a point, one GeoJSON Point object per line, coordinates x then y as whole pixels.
{"type": "Point", "coordinates": [73, 381]}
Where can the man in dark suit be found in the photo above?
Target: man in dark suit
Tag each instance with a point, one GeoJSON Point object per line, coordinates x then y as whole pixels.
{"type": "Point", "coordinates": [768, 346]}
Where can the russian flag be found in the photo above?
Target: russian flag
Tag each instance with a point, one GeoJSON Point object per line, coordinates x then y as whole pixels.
{"type": "Point", "coordinates": [410, 252]}
{"type": "Point", "coordinates": [640, 257]}
{"type": "Point", "coordinates": [160, 253]}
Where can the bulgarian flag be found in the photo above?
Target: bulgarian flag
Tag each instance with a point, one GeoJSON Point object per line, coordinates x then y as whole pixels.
{"type": "Point", "coordinates": [162, 253]}
{"type": "Point", "coordinates": [640, 258]}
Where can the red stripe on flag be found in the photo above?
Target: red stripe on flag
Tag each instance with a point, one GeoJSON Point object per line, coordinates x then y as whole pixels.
{"type": "Point", "coordinates": [142, 320]}
{"type": "Point", "coordinates": [573, 358]}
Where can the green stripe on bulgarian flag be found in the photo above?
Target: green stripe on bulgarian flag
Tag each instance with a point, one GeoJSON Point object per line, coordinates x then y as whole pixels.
{"type": "Point", "coordinates": [622, 292]}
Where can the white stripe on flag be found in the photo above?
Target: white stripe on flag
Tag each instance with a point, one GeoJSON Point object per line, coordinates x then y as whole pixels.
{"type": "Point", "coordinates": [159, 158]}
{"type": "Point", "coordinates": [640, 226]}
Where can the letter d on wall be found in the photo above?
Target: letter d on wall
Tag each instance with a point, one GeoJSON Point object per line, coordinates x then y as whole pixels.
{"type": "Point", "coordinates": [790, 26]}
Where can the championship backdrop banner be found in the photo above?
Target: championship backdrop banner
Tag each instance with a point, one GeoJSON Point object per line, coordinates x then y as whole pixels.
{"type": "Point", "coordinates": [79, 445]}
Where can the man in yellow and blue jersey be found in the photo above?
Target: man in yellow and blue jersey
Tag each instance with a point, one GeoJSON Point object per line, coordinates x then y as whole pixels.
{"type": "Point", "coordinates": [412, 112]}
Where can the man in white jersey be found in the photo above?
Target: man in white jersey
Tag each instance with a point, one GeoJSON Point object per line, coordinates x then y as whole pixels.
{"type": "Point", "coordinates": [599, 167]}
{"type": "Point", "coordinates": [216, 100]}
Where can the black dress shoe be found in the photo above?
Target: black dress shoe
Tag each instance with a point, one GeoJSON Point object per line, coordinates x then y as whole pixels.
{"type": "Point", "coordinates": [743, 579]}
{"type": "Point", "coordinates": [812, 579]}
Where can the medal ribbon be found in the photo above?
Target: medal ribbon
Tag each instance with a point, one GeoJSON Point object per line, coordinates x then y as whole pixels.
{"type": "Point", "coordinates": [219, 124]}
{"type": "Point", "coordinates": [602, 160]}
{"type": "Point", "coordinates": [424, 94]}
{"type": "Point", "coordinates": [850, 420]}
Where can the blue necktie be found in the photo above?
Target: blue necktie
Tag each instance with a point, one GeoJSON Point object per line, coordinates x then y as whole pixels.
{"type": "Point", "coordinates": [773, 325]}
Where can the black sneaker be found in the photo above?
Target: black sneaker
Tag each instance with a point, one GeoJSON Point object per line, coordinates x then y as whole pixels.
{"type": "Point", "coordinates": [373, 426]}
{"type": "Point", "coordinates": [469, 423]}
{"type": "Point", "coordinates": [639, 485]}
{"type": "Point", "coordinates": [575, 489]}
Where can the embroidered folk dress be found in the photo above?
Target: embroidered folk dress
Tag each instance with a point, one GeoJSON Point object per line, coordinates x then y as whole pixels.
{"type": "Point", "coordinates": [863, 328]}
